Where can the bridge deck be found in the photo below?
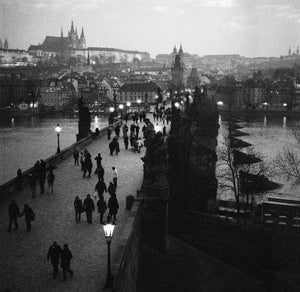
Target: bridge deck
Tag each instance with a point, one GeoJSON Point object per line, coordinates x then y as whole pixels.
{"type": "Point", "coordinates": [23, 264]}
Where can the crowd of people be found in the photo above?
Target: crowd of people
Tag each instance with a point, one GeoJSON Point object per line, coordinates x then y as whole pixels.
{"type": "Point", "coordinates": [132, 135]}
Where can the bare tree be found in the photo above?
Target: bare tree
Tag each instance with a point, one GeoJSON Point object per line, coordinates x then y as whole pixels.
{"type": "Point", "coordinates": [234, 177]}
{"type": "Point", "coordinates": [287, 164]}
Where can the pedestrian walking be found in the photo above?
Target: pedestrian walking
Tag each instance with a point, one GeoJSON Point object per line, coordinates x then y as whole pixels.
{"type": "Point", "coordinates": [42, 176]}
{"type": "Point", "coordinates": [111, 146]}
{"type": "Point", "coordinates": [108, 132]}
{"type": "Point", "coordinates": [115, 176]}
{"type": "Point", "coordinates": [126, 140]}
{"type": "Point", "coordinates": [81, 159]}
{"type": "Point", "coordinates": [111, 189]}
{"type": "Point", "coordinates": [54, 253]}
{"type": "Point", "coordinates": [13, 214]}
{"type": "Point", "coordinates": [98, 159]}
{"type": "Point", "coordinates": [117, 130]}
{"type": "Point", "coordinates": [125, 130]}
{"type": "Point", "coordinates": [137, 130]}
{"type": "Point", "coordinates": [50, 179]}
{"type": "Point", "coordinates": [29, 216]}
{"type": "Point", "coordinates": [100, 187]}
{"type": "Point", "coordinates": [20, 179]}
{"type": "Point", "coordinates": [101, 204]}
{"type": "Point", "coordinates": [32, 184]}
{"type": "Point", "coordinates": [66, 257]}
{"type": "Point", "coordinates": [78, 209]}
{"type": "Point", "coordinates": [101, 173]}
{"type": "Point", "coordinates": [113, 206]}
{"type": "Point", "coordinates": [76, 157]}
{"type": "Point", "coordinates": [89, 207]}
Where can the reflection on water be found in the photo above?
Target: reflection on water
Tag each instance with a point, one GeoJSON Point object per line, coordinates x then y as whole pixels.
{"type": "Point", "coordinates": [24, 140]}
{"type": "Point", "coordinates": [269, 135]}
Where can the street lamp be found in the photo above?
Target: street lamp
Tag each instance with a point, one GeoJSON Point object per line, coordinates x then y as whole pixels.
{"type": "Point", "coordinates": [108, 232]}
{"type": "Point", "coordinates": [139, 102]}
{"type": "Point", "coordinates": [111, 109]}
{"type": "Point", "coordinates": [58, 130]}
{"type": "Point", "coordinates": [121, 107]}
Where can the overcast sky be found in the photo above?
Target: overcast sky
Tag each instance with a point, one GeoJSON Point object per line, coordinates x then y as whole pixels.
{"type": "Point", "coordinates": [246, 27]}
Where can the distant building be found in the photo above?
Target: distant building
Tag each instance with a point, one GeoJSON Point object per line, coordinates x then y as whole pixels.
{"type": "Point", "coordinates": [177, 72]}
{"type": "Point", "coordinates": [193, 80]}
{"type": "Point", "coordinates": [145, 92]}
{"type": "Point", "coordinates": [74, 45]}
{"type": "Point", "coordinates": [55, 94]}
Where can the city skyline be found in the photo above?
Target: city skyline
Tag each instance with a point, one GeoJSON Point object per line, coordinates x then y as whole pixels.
{"type": "Point", "coordinates": [249, 28]}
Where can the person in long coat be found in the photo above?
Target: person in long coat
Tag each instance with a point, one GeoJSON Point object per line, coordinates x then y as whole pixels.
{"type": "Point", "coordinates": [101, 187]}
{"type": "Point", "coordinates": [113, 206]}
{"type": "Point", "coordinates": [101, 204]}
{"type": "Point", "coordinates": [78, 209]}
{"type": "Point", "coordinates": [54, 253]}
{"type": "Point", "coordinates": [111, 189]}
{"type": "Point", "coordinates": [89, 207]}
{"type": "Point", "coordinates": [66, 257]}
{"type": "Point", "coordinates": [29, 216]}
{"type": "Point", "coordinates": [13, 213]}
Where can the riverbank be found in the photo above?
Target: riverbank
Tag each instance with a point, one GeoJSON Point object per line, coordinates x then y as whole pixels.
{"type": "Point", "coordinates": [282, 113]}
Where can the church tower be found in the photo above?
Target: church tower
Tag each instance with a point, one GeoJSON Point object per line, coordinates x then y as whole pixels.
{"type": "Point", "coordinates": [1, 44]}
{"type": "Point", "coordinates": [61, 33]}
{"type": "Point", "coordinates": [297, 50]}
{"type": "Point", "coordinates": [177, 73]}
{"type": "Point", "coordinates": [82, 40]}
{"type": "Point", "coordinates": [6, 45]}
{"type": "Point", "coordinates": [290, 51]}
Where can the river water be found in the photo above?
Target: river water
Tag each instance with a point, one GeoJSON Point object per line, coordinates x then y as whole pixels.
{"type": "Point", "coordinates": [269, 135]}
{"type": "Point", "coordinates": [24, 140]}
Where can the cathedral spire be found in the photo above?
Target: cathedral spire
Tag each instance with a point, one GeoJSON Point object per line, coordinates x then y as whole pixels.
{"type": "Point", "coordinates": [82, 34]}
{"type": "Point", "coordinates": [174, 49]}
{"type": "Point", "coordinates": [72, 27]}
{"type": "Point", "coordinates": [61, 33]}
{"type": "Point", "coordinates": [290, 51]}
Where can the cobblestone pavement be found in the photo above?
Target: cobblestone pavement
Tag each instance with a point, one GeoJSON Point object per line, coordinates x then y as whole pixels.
{"type": "Point", "coordinates": [23, 263]}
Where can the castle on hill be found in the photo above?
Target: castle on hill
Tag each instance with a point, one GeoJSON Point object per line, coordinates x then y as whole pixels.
{"type": "Point", "coordinates": [74, 45]}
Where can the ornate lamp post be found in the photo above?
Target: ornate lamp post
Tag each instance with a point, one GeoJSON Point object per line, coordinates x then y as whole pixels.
{"type": "Point", "coordinates": [128, 104]}
{"type": "Point", "coordinates": [108, 232]}
{"type": "Point", "coordinates": [139, 102]}
{"type": "Point", "coordinates": [121, 107]}
{"type": "Point", "coordinates": [58, 130]}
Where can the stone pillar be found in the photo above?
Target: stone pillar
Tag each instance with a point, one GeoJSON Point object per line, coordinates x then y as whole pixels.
{"type": "Point", "coordinates": [154, 197]}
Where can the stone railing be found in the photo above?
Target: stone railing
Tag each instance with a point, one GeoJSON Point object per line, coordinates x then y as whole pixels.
{"type": "Point", "coordinates": [12, 185]}
{"type": "Point", "coordinates": [126, 260]}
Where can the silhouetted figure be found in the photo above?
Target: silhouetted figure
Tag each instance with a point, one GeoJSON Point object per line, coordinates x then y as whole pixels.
{"type": "Point", "coordinates": [98, 159]}
{"type": "Point", "coordinates": [76, 157]}
{"type": "Point", "coordinates": [101, 204]}
{"type": "Point", "coordinates": [78, 209]}
{"type": "Point", "coordinates": [108, 131]}
{"type": "Point", "coordinates": [101, 187]}
{"type": "Point", "coordinates": [111, 189]}
{"type": "Point", "coordinates": [32, 184]}
{"type": "Point", "coordinates": [126, 140]}
{"type": "Point", "coordinates": [115, 176]}
{"type": "Point", "coordinates": [50, 179]}
{"type": "Point", "coordinates": [42, 176]}
{"type": "Point", "coordinates": [66, 257]}
{"type": "Point", "coordinates": [13, 213]}
{"type": "Point", "coordinates": [89, 207]}
{"type": "Point", "coordinates": [29, 216]}
{"type": "Point", "coordinates": [101, 173]}
{"type": "Point", "coordinates": [20, 179]}
{"type": "Point", "coordinates": [54, 253]}
{"type": "Point", "coordinates": [113, 206]}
